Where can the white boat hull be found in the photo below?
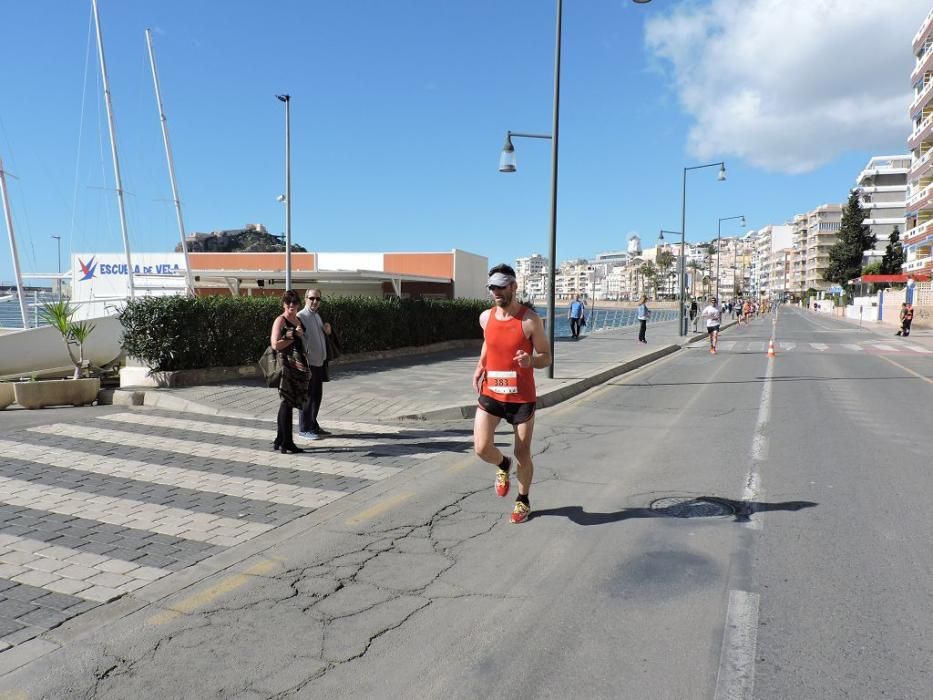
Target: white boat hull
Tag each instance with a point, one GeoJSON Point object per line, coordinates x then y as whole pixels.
{"type": "Point", "coordinates": [42, 351]}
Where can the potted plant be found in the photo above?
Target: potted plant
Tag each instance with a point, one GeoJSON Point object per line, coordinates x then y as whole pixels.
{"type": "Point", "coordinates": [80, 390]}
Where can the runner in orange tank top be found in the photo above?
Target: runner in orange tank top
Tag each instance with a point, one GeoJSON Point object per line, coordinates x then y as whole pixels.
{"type": "Point", "coordinates": [514, 345]}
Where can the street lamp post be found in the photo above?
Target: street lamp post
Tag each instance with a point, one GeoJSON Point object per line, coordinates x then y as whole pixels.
{"type": "Point", "coordinates": [719, 248]}
{"type": "Point", "coordinates": [288, 189]}
{"type": "Point", "coordinates": [509, 162]}
{"type": "Point", "coordinates": [58, 240]}
{"type": "Point", "coordinates": [683, 228]}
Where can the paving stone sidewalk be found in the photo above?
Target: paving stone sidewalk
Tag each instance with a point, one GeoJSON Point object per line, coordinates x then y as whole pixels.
{"type": "Point", "coordinates": [436, 386]}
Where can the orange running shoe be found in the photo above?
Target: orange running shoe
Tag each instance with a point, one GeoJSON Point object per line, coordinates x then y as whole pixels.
{"type": "Point", "coordinates": [520, 512]}
{"type": "Point", "coordinates": [502, 483]}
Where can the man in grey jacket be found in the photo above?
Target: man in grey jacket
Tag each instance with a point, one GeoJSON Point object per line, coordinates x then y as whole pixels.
{"type": "Point", "coordinates": [315, 346]}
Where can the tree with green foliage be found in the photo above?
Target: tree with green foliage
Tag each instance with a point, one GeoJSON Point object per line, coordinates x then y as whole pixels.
{"type": "Point", "coordinates": [893, 259]}
{"type": "Point", "coordinates": [845, 257]}
{"type": "Point", "coordinates": [872, 268]}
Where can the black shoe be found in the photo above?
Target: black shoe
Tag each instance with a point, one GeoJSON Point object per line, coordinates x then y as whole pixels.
{"type": "Point", "coordinates": [276, 446]}
{"type": "Point", "coordinates": [291, 449]}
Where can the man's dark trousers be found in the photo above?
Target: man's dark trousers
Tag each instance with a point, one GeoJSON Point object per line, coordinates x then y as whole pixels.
{"type": "Point", "coordinates": [575, 327]}
{"type": "Point", "coordinates": [307, 416]}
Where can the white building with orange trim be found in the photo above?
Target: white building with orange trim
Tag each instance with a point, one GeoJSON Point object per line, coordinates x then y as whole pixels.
{"type": "Point", "coordinates": [918, 239]}
{"type": "Point", "coordinates": [100, 280]}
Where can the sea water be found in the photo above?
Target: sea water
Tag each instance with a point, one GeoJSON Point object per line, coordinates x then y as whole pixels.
{"type": "Point", "coordinates": [600, 319]}
{"type": "Point", "coordinates": [10, 314]}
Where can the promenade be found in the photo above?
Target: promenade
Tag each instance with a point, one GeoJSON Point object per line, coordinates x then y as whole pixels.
{"type": "Point", "coordinates": [434, 386]}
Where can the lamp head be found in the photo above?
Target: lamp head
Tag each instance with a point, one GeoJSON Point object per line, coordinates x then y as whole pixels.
{"type": "Point", "coordinates": [280, 198]}
{"type": "Point", "coordinates": [722, 172]}
{"type": "Point", "coordinates": [507, 162]}
{"type": "Point", "coordinates": [661, 237]}
{"type": "Point", "coordinates": [742, 221]}
{"type": "Point", "coordinates": [283, 98]}
{"type": "Point", "coordinates": [641, 2]}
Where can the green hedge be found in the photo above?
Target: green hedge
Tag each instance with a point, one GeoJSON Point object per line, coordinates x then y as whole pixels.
{"type": "Point", "coordinates": [176, 332]}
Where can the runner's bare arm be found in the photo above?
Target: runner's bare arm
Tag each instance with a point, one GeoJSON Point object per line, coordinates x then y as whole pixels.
{"type": "Point", "coordinates": [480, 372]}
{"type": "Point", "coordinates": [534, 329]}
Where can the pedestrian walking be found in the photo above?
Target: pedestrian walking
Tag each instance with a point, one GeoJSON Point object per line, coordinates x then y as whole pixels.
{"type": "Point", "coordinates": [643, 314]}
{"type": "Point", "coordinates": [694, 310]}
{"type": "Point", "coordinates": [514, 344]}
{"type": "Point", "coordinates": [907, 318]}
{"type": "Point", "coordinates": [315, 350]}
{"type": "Point", "coordinates": [713, 315]}
{"type": "Point", "coordinates": [286, 339]}
{"type": "Point", "coordinates": [576, 314]}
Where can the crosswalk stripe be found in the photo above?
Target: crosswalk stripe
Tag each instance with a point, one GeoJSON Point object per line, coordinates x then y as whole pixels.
{"type": "Point", "coordinates": [727, 344]}
{"type": "Point", "coordinates": [125, 512]}
{"type": "Point", "coordinates": [819, 346]}
{"type": "Point", "coordinates": [71, 571]}
{"type": "Point", "coordinates": [257, 489]}
{"type": "Point", "coordinates": [882, 346]}
{"type": "Point", "coordinates": [852, 346]}
{"type": "Point", "coordinates": [916, 348]}
{"type": "Point", "coordinates": [263, 433]}
{"type": "Point", "coordinates": [220, 451]}
{"type": "Point", "coordinates": [786, 346]}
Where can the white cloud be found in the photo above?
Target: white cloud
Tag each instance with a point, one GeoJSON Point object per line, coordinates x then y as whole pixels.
{"type": "Point", "coordinates": [789, 85]}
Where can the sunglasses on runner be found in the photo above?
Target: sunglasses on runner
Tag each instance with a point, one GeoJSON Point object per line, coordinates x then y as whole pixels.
{"type": "Point", "coordinates": [495, 288]}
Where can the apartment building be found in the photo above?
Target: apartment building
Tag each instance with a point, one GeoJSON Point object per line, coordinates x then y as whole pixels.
{"type": "Point", "coordinates": [822, 233]}
{"type": "Point", "coordinates": [531, 276]}
{"type": "Point", "coordinates": [882, 190]}
{"type": "Point", "coordinates": [918, 239]}
{"type": "Point", "coordinates": [772, 252]}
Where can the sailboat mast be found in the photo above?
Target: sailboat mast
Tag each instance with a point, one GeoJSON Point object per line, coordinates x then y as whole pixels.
{"type": "Point", "coordinates": [9, 227]}
{"type": "Point", "coordinates": [113, 150]}
{"type": "Point", "coordinates": [171, 163]}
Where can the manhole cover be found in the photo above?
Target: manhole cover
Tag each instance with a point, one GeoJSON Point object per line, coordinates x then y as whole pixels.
{"type": "Point", "coordinates": [691, 507]}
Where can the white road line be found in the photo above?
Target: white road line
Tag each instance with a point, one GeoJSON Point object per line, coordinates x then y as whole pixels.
{"type": "Point", "coordinates": [70, 571]}
{"type": "Point", "coordinates": [256, 489]}
{"type": "Point", "coordinates": [736, 678]}
{"type": "Point", "coordinates": [886, 348]}
{"type": "Point", "coordinates": [785, 346]}
{"type": "Point", "coordinates": [219, 450]}
{"type": "Point", "coordinates": [853, 347]}
{"type": "Point", "coordinates": [819, 346]}
{"type": "Point", "coordinates": [915, 348]}
{"type": "Point", "coordinates": [727, 344]}
{"type": "Point", "coordinates": [165, 520]}
{"type": "Point", "coordinates": [237, 431]}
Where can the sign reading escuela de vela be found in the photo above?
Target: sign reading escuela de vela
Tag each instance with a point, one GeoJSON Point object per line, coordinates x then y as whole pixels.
{"type": "Point", "coordinates": [99, 276]}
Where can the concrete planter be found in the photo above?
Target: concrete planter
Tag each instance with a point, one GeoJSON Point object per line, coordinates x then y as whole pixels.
{"type": "Point", "coordinates": [57, 392]}
{"type": "Point", "coordinates": [6, 395]}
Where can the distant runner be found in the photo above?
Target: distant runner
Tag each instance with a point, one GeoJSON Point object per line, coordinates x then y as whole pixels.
{"type": "Point", "coordinates": [713, 316]}
{"type": "Point", "coordinates": [514, 345]}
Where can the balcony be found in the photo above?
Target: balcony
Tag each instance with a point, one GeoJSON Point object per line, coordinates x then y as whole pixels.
{"type": "Point", "coordinates": [922, 97]}
{"type": "Point", "coordinates": [922, 32]}
{"type": "Point", "coordinates": [921, 199]}
{"type": "Point", "coordinates": [922, 133]}
{"type": "Point", "coordinates": [915, 234]}
{"type": "Point", "coordinates": [924, 64]}
{"type": "Point", "coordinates": [922, 165]}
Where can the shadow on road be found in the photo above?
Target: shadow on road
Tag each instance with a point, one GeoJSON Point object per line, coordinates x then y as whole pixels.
{"type": "Point", "coordinates": [699, 507]}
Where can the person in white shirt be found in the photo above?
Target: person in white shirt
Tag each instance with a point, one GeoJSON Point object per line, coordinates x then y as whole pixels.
{"type": "Point", "coordinates": [643, 314]}
{"type": "Point", "coordinates": [713, 315]}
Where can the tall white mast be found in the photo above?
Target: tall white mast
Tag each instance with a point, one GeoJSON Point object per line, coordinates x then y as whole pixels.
{"type": "Point", "coordinates": [113, 150]}
{"type": "Point", "coordinates": [9, 227]}
{"type": "Point", "coordinates": [171, 164]}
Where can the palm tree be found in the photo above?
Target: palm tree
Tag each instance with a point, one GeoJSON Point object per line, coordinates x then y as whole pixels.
{"type": "Point", "coordinates": [59, 315]}
{"type": "Point", "coordinates": [650, 274]}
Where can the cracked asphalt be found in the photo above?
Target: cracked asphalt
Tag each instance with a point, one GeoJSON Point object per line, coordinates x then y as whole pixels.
{"type": "Point", "coordinates": [660, 499]}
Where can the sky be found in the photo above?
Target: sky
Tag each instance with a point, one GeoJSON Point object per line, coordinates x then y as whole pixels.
{"type": "Point", "coordinates": [399, 111]}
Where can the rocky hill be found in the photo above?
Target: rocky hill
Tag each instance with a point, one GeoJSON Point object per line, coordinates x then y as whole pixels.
{"type": "Point", "coordinates": [239, 241]}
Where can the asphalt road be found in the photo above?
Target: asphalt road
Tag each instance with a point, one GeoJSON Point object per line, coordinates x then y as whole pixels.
{"type": "Point", "coordinates": [722, 526]}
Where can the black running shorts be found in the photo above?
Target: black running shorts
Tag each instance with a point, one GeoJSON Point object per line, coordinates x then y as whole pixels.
{"type": "Point", "coordinates": [514, 413]}
{"type": "Point", "coordinates": [710, 329]}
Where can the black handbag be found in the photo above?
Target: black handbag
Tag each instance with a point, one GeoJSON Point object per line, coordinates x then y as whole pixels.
{"type": "Point", "coordinates": [270, 363]}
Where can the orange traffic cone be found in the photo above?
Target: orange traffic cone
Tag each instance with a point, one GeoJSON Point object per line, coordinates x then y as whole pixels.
{"type": "Point", "coordinates": [771, 352]}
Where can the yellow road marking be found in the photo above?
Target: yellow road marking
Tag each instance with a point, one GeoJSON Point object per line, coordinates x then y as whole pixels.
{"type": "Point", "coordinates": [907, 369]}
{"type": "Point", "coordinates": [380, 508]}
{"type": "Point", "coordinates": [202, 598]}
